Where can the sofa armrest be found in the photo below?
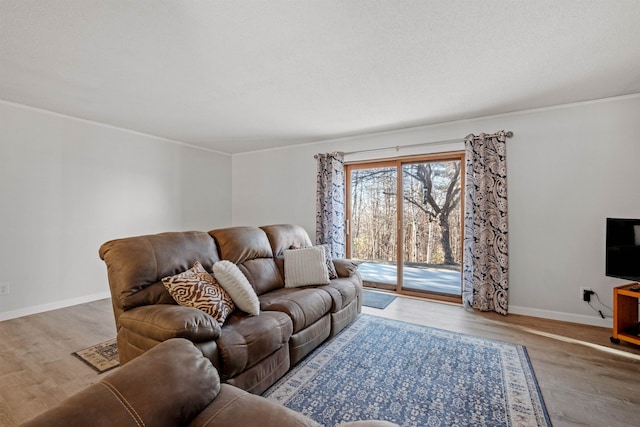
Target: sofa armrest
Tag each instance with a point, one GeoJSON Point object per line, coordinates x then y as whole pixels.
{"type": "Point", "coordinates": [167, 386]}
{"type": "Point", "coordinates": [345, 267]}
{"type": "Point", "coordinates": [368, 423]}
{"type": "Point", "coordinates": [235, 407]}
{"type": "Point", "coordinates": [165, 321]}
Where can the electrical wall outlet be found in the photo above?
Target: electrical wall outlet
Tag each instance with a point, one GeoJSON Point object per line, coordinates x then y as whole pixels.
{"type": "Point", "coordinates": [582, 296]}
{"type": "Point", "coordinates": [4, 289]}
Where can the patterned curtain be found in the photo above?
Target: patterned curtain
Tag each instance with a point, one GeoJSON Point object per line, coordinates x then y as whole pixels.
{"type": "Point", "coordinates": [330, 203]}
{"type": "Point", "coordinates": [485, 266]}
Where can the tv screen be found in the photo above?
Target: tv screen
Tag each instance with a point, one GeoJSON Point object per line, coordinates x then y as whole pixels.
{"type": "Point", "coordinates": [623, 248]}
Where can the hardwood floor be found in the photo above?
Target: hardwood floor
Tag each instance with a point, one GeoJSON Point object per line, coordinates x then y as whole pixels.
{"type": "Point", "coordinates": [585, 380]}
{"type": "Point", "coordinates": [37, 370]}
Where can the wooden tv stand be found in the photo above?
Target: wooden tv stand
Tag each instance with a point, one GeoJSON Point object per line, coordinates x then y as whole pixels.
{"type": "Point", "coordinates": [625, 314]}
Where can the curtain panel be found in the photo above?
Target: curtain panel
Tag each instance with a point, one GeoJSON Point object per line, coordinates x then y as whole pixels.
{"type": "Point", "coordinates": [330, 199]}
{"type": "Point", "coordinates": [485, 281]}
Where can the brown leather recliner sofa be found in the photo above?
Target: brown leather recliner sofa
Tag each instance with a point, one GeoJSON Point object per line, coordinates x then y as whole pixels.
{"type": "Point", "coordinates": [250, 352]}
{"type": "Point", "coordinates": [172, 384]}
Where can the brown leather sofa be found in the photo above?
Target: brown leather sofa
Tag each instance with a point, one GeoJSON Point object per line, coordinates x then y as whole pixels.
{"type": "Point", "coordinates": [250, 352]}
{"type": "Point", "coordinates": [172, 384]}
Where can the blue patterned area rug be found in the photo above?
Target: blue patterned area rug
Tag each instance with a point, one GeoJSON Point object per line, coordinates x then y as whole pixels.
{"type": "Point", "coordinates": [413, 375]}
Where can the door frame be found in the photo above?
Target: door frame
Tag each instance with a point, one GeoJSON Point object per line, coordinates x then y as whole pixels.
{"type": "Point", "coordinates": [398, 162]}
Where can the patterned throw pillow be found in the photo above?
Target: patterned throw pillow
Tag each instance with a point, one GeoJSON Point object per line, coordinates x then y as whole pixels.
{"type": "Point", "coordinates": [304, 267]}
{"type": "Point", "coordinates": [333, 274]}
{"type": "Point", "coordinates": [237, 286]}
{"type": "Point", "coordinates": [197, 288]}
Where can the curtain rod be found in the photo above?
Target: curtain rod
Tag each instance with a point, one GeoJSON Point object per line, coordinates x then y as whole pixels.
{"type": "Point", "coordinates": [508, 134]}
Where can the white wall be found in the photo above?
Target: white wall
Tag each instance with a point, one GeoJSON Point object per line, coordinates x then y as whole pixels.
{"type": "Point", "coordinates": [69, 185]}
{"type": "Point", "coordinates": [569, 168]}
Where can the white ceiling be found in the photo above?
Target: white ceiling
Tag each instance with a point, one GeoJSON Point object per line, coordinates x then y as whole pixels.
{"type": "Point", "coordinates": [239, 76]}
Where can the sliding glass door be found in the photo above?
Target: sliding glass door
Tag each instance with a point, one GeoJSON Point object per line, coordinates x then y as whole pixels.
{"type": "Point", "coordinates": [431, 223]}
{"type": "Point", "coordinates": [372, 224]}
{"type": "Point", "coordinates": [409, 241]}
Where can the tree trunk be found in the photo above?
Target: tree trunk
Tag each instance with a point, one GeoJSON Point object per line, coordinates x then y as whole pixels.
{"type": "Point", "coordinates": [445, 239]}
{"type": "Point", "coordinates": [429, 243]}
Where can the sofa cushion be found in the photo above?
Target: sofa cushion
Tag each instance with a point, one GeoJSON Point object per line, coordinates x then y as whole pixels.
{"type": "Point", "coordinates": [246, 340]}
{"type": "Point", "coordinates": [197, 288]}
{"type": "Point", "coordinates": [239, 244]}
{"type": "Point", "coordinates": [167, 386]}
{"type": "Point", "coordinates": [237, 286]}
{"type": "Point", "coordinates": [343, 291]}
{"type": "Point", "coordinates": [235, 407]}
{"type": "Point", "coordinates": [249, 249]}
{"type": "Point", "coordinates": [263, 274]}
{"type": "Point", "coordinates": [284, 236]}
{"type": "Point", "coordinates": [304, 306]}
{"type": "Point", "coordinates": [304, 267]}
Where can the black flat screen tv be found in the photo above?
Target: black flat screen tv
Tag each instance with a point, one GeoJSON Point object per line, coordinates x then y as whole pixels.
{"type": "Point", "coordinates": [623, 248]}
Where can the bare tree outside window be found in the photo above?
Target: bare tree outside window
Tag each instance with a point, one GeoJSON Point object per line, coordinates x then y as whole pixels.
{"type": "Point", "coordinates": [432, 217]}
{"type": "Point", "coordinates": [374, 213]}
{"type": "Point", "coordinates": [429, 234]}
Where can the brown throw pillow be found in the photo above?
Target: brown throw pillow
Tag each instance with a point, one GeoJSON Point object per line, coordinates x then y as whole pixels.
{"type": "Point", "coordinates": [197, 288]}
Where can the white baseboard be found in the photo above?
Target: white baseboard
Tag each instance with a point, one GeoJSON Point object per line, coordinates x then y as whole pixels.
{"type": "Point", "coordinates": [526, 311]}
{"type": "Point", "coordinates": [565, 317]}
{"type": "Point", "coordinates": [53, 306]}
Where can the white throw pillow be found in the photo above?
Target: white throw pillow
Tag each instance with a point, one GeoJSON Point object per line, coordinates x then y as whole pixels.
{"type": "Point", "coordinates": [304, 267]}
{"type": "Point", "coordinates": [237, 286]}
{"type": "Point", "coordinates": [333, 274]}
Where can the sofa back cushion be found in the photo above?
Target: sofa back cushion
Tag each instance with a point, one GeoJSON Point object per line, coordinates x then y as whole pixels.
{"type": "Point", "coordinates": [250, 250]}
{"type": "Point", "coordinates": [136, 265]}
{"type": "Point", "coordinates": [283, 236]}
